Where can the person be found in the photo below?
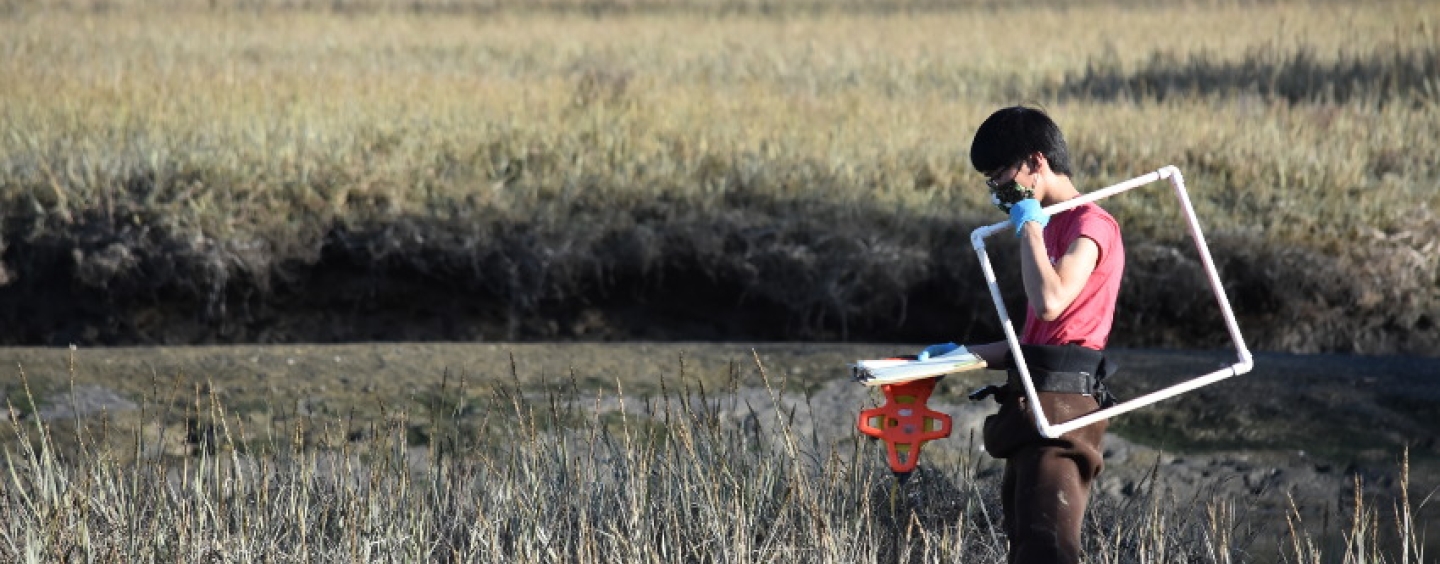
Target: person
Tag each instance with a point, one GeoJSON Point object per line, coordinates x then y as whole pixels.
{"type": "Point", "coordinates": [1070, 264]}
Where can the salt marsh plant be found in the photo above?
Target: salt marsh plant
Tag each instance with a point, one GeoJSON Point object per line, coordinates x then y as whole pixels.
{"type": "Point", "coordinates": [253, 160]}
{"type": "Point", "coordinates": [568, 476]}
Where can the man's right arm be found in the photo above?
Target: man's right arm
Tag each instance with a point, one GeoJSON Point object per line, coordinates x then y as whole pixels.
{"type": "Point", "coordinates": [996, 354]}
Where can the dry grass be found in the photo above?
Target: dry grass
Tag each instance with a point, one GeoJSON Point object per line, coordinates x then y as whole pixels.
{"type": "Point", "coordinates": [215, 143]}
{"type": "Point", "coordinates": [313, 115]}
{"type": "Point", "coordinates": [204, 151]}
{"type": "Point", "coordinates": [561, 476]}
{"type": "Point", "coordinates": [415, 111]}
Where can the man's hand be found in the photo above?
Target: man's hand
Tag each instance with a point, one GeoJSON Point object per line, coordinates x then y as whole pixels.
{"type": "Point", "coordinates": [937, 350]}
{"type": "Point", "coordinates": [1026, 211]}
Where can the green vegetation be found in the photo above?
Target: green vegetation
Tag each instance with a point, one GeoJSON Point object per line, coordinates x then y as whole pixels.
{"type": "Point", "coordinates": [259, 171]}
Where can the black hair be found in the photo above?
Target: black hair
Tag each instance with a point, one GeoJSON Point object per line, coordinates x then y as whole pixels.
{"type": "Point", "coordinates": [1010, 135]}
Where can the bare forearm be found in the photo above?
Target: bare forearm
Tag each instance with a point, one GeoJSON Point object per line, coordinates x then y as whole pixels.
{"type": "Point", "coordinates": [1036, 272]}
{"type": "Point", "coordinates": [996, 354]}
{"type": "Point", "coordinates": [1050, 288]}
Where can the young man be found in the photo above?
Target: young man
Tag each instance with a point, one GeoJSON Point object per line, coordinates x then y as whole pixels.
{"type": "Point", "coordinates": [1071, 266]}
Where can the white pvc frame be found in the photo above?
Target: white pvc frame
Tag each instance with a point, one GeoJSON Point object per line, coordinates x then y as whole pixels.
{"type": "Point", "coordinates": [1244, 363]}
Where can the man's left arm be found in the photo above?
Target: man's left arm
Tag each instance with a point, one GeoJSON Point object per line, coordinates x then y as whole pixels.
{"type": "Point", "coordinates": [1051, 288]}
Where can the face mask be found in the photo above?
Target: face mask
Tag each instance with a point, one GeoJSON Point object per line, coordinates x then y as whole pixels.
{"type": "Point", "coordinates": [1009, 195]}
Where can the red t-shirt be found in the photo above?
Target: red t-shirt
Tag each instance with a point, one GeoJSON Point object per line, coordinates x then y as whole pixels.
{"type": "Point", "coordinates": [1088, 319]}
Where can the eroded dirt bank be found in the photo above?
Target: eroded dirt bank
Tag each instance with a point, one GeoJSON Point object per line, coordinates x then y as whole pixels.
{"type": "Point", "coordinates": [668, 275]}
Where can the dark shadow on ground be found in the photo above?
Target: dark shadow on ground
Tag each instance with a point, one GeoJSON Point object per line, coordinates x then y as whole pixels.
{"type": "Point", "coordinates": [1269, 73]}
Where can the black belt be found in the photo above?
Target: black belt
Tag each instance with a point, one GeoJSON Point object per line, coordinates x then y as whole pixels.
{"type": "Point", "coordinates": [1062, 382]}
{"type": "Point", "coordinates": [1066, 369]}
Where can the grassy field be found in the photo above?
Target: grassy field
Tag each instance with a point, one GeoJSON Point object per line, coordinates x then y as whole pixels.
{"type": "Point", "coordinates": [238, 122]}
{"type": "Point", "coordinates": [802, 158]}
{"type": "Point", "coordinates": [272, 171]}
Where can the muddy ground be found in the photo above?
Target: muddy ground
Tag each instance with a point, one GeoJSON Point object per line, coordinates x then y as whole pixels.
{"type": "Point", "coordinates": [1305, 426]}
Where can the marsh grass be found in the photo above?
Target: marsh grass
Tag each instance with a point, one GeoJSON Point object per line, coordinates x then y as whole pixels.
{"type": "Point", "coordinates": [811, 164]}
{"type": "Point", "coordinates": [253, 161]}
{"type": "Point", "coordinates": [567, 476]}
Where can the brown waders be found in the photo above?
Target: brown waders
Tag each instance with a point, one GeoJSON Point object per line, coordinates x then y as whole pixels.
{"type": "Point", "coordinates": [1046, 486]}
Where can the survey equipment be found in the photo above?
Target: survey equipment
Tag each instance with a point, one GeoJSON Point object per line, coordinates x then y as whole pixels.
{"type": "Point", "coordinates": [906, 368]}
{"type": "Point", "coordinates": [1243, 363]}
{"type": "Point", "coordinates": [904, 422]}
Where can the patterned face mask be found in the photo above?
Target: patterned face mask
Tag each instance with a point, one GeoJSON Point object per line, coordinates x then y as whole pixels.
{"type": "Point", "coordinates": [1010, 194]}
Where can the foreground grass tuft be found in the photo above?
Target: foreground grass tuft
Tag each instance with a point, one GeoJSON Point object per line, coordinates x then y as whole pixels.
{"type": "Point", "coordinates": [561, 477]}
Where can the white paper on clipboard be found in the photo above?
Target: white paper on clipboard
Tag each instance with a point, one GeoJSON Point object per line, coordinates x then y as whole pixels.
{"type": "Point", "coordinates": [893, 370]}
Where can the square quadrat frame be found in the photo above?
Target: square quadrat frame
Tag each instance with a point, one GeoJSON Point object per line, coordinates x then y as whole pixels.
{"type": "Point", "coordinates": [1244, 361]}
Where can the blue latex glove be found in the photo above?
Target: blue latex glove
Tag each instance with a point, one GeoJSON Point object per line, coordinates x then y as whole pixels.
{"type": "Point", "coordinates": [1025, 211]}
{"type": "Point", "coordinates": [937, 350]}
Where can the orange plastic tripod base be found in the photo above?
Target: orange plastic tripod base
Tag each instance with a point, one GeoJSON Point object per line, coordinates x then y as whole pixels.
{"type": "Point", "coordinates": [905, 423]}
